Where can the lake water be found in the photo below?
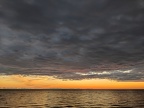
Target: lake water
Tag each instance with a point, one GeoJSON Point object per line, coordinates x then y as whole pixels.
{"type": "Point", "coordinates": [71, 98]}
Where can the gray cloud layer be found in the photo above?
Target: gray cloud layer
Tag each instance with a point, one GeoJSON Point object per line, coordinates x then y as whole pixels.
{"type": "Point", "coordinates": [70, 36]}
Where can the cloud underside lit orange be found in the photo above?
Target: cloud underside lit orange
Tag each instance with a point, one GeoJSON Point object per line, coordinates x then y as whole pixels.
{"type": "Point", "coordinates": [45, 82]}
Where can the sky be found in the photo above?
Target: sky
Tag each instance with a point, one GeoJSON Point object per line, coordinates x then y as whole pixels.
{"type": "Point", "coordinates": [97, 44]}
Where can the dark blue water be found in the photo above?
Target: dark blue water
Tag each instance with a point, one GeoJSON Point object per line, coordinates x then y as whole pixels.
{"type": "Point", "coordinates": [71, 98]}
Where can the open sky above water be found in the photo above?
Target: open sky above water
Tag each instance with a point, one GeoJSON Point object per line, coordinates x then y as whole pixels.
{"type": "Point", "coordinates": [72, 44]}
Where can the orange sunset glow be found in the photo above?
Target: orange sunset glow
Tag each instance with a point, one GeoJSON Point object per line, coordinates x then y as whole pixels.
{"type": "Point", "coordinates": [71, 53]}
{"type": "Point", "coordinates": [72, 44]}
{"type": "Point", "coordinates": [43, 82]}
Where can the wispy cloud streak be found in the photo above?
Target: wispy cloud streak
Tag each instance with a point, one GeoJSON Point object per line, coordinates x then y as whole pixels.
{"type": "Point", "coordinates": [69, 37]}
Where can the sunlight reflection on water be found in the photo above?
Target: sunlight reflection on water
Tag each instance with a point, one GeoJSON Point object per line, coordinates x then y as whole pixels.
{"type": "Point", "coordinates": [71, 98]}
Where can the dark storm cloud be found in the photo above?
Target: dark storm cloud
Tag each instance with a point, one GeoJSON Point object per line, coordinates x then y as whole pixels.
{"type": "Point", "coordinates": [70, 36]}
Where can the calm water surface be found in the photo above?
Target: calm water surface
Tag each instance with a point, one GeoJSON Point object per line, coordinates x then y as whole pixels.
{"type": "Point", "coordinates": [71, 98]}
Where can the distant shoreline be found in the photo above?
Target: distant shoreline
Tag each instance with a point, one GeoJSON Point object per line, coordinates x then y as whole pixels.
{"type": "Point", "coordinates": [75, 89]}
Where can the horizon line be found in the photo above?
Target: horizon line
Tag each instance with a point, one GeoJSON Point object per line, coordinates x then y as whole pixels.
{"type": "Point", "coordinates": [69, 89]}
